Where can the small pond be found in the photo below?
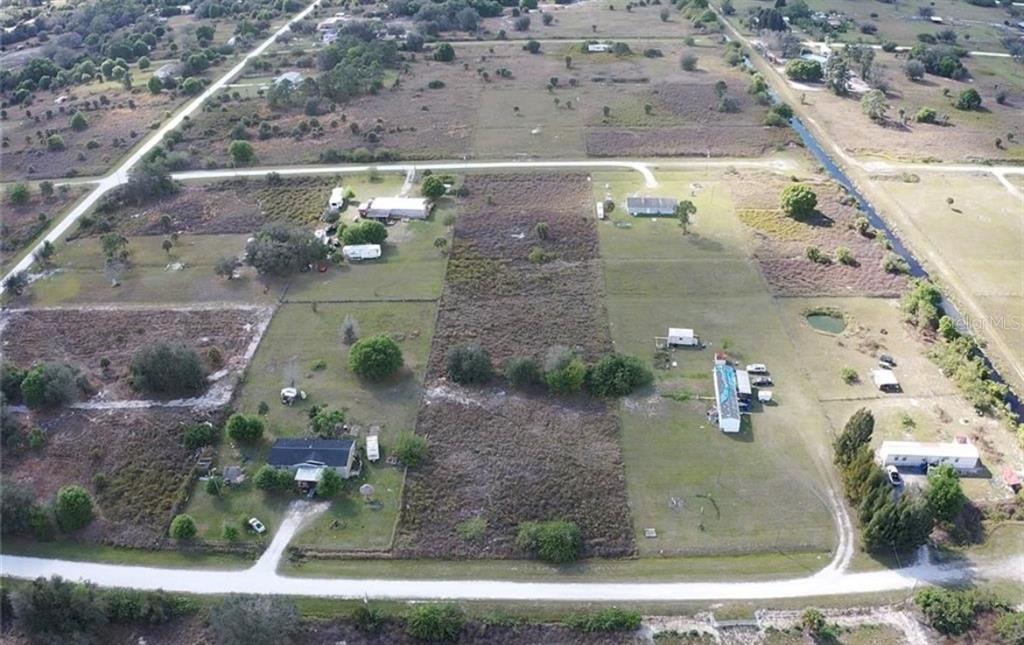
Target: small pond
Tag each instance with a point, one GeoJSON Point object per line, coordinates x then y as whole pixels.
{"type": "Point", "coordinates": [828, 323]}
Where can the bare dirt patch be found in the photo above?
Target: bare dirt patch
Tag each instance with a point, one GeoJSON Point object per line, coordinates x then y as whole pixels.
{"type": "Point", "coordinates": [84, 337]}
{"type": "Point", "coordinates": [781, 242]}
{"type": "Point", "coordinates": [491, 453]}
{"type": "Point", "coordinates": [133, 463]}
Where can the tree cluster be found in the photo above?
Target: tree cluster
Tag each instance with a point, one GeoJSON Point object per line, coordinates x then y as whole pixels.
{"type": "Point", "coordinates": [279, 249]}
{"type": "Point", "coordinates": [366, 232]}
{"type": "Point", "coordinates": [168, 369]}
{"type": "Point", "coordinates": [375, 357]}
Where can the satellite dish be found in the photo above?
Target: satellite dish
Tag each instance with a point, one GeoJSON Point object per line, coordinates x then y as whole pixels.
{"type": "Point", "coordinates": [366, 490]}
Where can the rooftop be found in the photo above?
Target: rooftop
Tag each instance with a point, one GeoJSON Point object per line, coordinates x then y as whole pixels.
{"type": "Point", "coordinates": [330, 452]}
{"type": "Point", "coordinates": [650, 205]}
{"type": "Point", "coordinates": [929, 449]}
{"type": "Point", "coordinates": [726, 400]}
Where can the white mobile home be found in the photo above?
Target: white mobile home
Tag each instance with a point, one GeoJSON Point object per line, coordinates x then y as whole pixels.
{"type": "Point", "coordinates": [395, 208]}
{"type": "Point", "coordinates": [915, 454]}
{"type": "Point", "coordinates": [360, 252]}
{"type": "Point", "coordinates": [337, 199]}
{"type": "Point", "coordinates": [727, 403]}
{"type": "Point", "coordinates": [743, 385]}
{"type": "Point", "coordinates": [678, 337]}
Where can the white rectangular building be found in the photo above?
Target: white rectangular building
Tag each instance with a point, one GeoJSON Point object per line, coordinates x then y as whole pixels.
{"type": "Point", "coordinates": [915, 454]}
{"type": "Point", "coordinates": [679, 337]}
{"type": "Point", "coordinates": [396, 208]}
{"type": "Point", "coordinates": [372, 447]}
{"type": "Point", "coordinates": [360, 252]}
{"type": "Point", "coordinates": [727, 404]}
{"type": "Point", "coordinates": [885, 380]}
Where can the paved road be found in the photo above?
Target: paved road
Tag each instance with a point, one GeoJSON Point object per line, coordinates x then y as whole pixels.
{"type": "Point", "coordinates": [120, 174]}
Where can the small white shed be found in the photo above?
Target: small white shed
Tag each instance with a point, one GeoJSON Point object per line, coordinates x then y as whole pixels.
{"type": "Point", "coordinates": [337, 199]}
{"type": "Point", "coordinates": [372, 447]}
{"type": "Point", "coordinates": [356, 252]}
{"type": "Point", "coordinates": [679, 337]}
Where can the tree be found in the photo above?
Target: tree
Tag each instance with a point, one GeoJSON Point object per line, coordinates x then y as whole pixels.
{"type": "Point", "coordinates": [922, 304]}
{"type": "Point", "coordinates": [949, 612]}
{"type": "Point", "coordinates": [522, 23]}
{"type": "Point", "coordinates": [856, 433]}
{"type": "Point", "coordinates": [326, 423]}
{"type": "Point", "coordinates": [197, 435]}
{"type": "Point", "coordinates": [444, 53]}
{"type": "Point", "coordinates": [17, 502]}
{"type": "Point", "coordinates": [664, 15]}
{"type": "Point", "coordinates": [873, 104]}
{"type": "Point", "coordinates": [467, 364]}
{"type": "Point", "coordinates": [144, 63]}
{"type": "Point", "coordinates": [167, 245]}
{"type": "Point", "coordinates": [914, 69]}
{"type": "Point", "coordinates": [433, 622]}
{"type": "Point", "coordinates": [16, 282]}
{"type": "Point", "coordinates": [48, 385]}
{"type": "Point", "coordinates": [688, 62]}
{"type": "Point", "coordinates": [214, 486]}
{"type": "Point", "coordinates": [168, 369]}
{"type": "Point", "coordinates": [329, 485]}
{"type": "Point", "coordinates": [926, 115]}
{"type": "Point", "coordinates": [947, 329]}
{"type": "Point", "coordinates": [279, 249]}
{"type": "Point", "coordinates": [522, 372]}
{"type": "Point", "coordinates": [554, 541]}
{"type": "Point", "coordinates": [618, 375]}
{"type": "Point", "coordinates": [902, 525]}
{"type": "Point", "coordinates": [18, 194]}
{"type": "Point", "coordinates": [944, 495]}
{"type": "Point", "coordinates": [155, 85]}
{"type": "Point", "coordinates": [255, 620]}
{"type": "Point", "coordinates": [269, 478]}
{"type": "Point", "coordinates": [799, 201]}
{"type": "Point", "coordinates": [54, 142]}
{"type": "Point", "coordinates": [837, 75]}
{"type": "Point", "coordinates": [241, 152]}
{"type": "Point", "coordinates": [192, 86]}
{"type": "Point", "coordinates": [684, 209]}
{"type": "Point", "coordinates": [375, 358]}
{"type": "Point", "coordinates": [183, 527]}
{"type": "Point", "coordinates": [433, 187]}
{"type": "Point", "coordinates": [244, 428]}
{"type": "Point", "coordinates": [532, 46]}
{"type": "Point", "coordinates": [59, 611]}
{"type": "Point", "coordinates": [969, 99]}
{"type": "Point", "coordinates": [801, 69]}
{"type": "Point", "coordinates": [226, 267]}
{"type": "Point", "coordinates": [78, 122]}
{"type": "Point", "coordinates": [411, 449]}
{"type": "Point", "coordinates": [73, 508]}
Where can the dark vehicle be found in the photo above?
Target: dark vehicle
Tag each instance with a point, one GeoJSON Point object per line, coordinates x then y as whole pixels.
{"type": "Point", "coordinates": [761, 381]}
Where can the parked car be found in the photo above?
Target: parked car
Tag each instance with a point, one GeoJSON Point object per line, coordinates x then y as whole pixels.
{"type": "Point", "coordinates": [757, 368]}
{"type": "Point", "coordinates": [886, 362]}
{"type": "Point", "coordinates": [257, 525]}
{"type": "Point", "coordinates": [893, 475]}
{"type": "Point", "coordinates": [761, 381]}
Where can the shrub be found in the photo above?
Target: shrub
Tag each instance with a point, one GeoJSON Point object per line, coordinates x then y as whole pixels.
{"type": "Point", "coordinates": [166, 368]}
{"type": "Point", "coordinates": [469, 364]}
{"type": "Point", "coordinates": [567, 376]}
{"type": "Point", "coordinates": [914, 69]}
{"type": "Point", "coordinates": [78, 122]}
{"type": "Point", "coordinates": [800, 69]}
{"type": "Point", "coordinates": [59, 611]}
{"type": "Point", "coordinates": [269, 478]}
{"type": "Point", "coordinates": [411, 449]}
{"type": "Point", "coordinates": [55, 142]}
{"type": "Point", "coordinates": [522, 372]}
{"type": "Point", "coordinates": [845, 256]}
{"type": "Point", "coordinates": [926, 115]}
{"type": "Point", "coordinates": [1010, 627]}
{"type": "Point", "coordinates": [849, 375]}
{"type": "Point", "coordinates": [949, 612]}
{"type": "Point", "coordinates": [444, 53]}
{"type": "Point", "coordinates": [368, 618]}
{"type": "Point", "coordinates": [472, 530]}
{"type": "Point", "coordinates": [532, 46]}
{"type": "Point", "coordinates": [244, 428]}
{"type": "Point", "coordinates": [230, 532]}
{"type": "Point", "coordinates": [893, 263]}
{"type": "Point", "coordinates": [255, 620]}
{"type": "Point", "coordinates": [435, 622]}
{"type": "Point", "coordinates": [968, 99]}
{"type": "Point", "coordinates": [183, 527]}
{"type": "Point", "coordinates": [214, 486]}
{"type": "Point", "coordinates": [618, 375]}
{"type": "Point", "coordinates": [555, 541]}
{"type": "Point", "coordinates": [814, 254]}
{"type": "Point", "coordinates": [18, 194]}
{"type": "Point", "coordinates": [798, 201]}
{"type": "Point", "coordinates": [368, 232]}
{"type": "Point", "coordinates": [375, 358]}
{"type": "Point", "coordinates": [326, 423]}
{"type": "Point", "coordinates": [73, 508]}
{"type": "Point", "coordinates": [611, 619]}
{"type": "Point", "coordinates": [522, 23]}
{"type": "Point", "coordinates": [48, 385]}
{"type": "Point", "coordinates": [688, 62]}
{"type": "Point", "coordinates": [198, 435]}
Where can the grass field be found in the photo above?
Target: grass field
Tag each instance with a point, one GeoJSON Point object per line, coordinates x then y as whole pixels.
{"type": "Point", "coordinates": [701, 490]}
{"type": "Point", "coordinates": [297, 338]}
{"type": "Point", "coordinates": [978, 238]}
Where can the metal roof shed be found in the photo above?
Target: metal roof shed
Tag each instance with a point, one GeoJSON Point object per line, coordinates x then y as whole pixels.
{"type": "Point", "coordinates": [651, 206]}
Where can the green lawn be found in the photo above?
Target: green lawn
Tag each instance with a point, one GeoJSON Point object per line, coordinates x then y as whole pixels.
{"type": "Point", "coordinates": [113, 555]}
{"type": "Point", "coordinates": [705, 492]}
{"type": "Point", "coordinates": [297, 338]}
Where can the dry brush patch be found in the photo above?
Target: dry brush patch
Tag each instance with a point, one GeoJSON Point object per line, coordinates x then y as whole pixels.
{"type": "Point", "coordinates": [84, 337]}
{"type": "Point", "coordinates": [781, 242]}
{"type": "Point", "coordinates": [132, 462]}
{"type": "Point", "coordinates": [510, 459]}
{"type": "Point", "coordinates": [22, 223]}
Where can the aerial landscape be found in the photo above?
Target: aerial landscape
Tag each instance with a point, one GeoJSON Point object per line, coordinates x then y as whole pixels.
{"type": "Point", "coordinates": [504, 321]}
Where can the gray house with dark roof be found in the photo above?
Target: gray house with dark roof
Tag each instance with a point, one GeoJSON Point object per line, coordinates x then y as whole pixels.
{"type": "Point", "coordinates": [296, 454]}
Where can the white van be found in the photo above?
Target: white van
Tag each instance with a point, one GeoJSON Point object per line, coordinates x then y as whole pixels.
{"type": "Point", "coordinates": [337, 199]}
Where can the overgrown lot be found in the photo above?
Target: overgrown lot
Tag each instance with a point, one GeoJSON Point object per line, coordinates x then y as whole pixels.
{"type": "Point", "coordinates": [508, 459]}
{"type": "Point", "coordinates": [133, 463]}
{"type": "Point", "coordinates": [782, 242]}
{"type": "Point", "coordinates": [23, 223]}
{"type": "Point", "coordinates": [88, 336]}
